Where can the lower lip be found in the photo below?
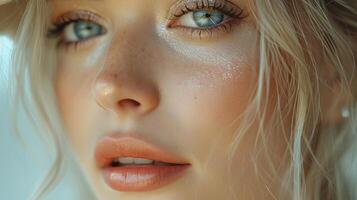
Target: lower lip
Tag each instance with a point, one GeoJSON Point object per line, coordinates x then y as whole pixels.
{"type": "Point", "coordinates": [141, 178]}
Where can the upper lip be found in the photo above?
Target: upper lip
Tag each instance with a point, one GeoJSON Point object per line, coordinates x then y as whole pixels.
{"type": "Point", "coordinates": [117, 146]}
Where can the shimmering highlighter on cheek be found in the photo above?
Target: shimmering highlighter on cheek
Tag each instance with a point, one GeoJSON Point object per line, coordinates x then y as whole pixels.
{"type": "Point", "coordinates": [97, 54]}
{"type": "Point", "coordinates": [200, 80]}
{"type": "Point", "coordinates": [221, 59]}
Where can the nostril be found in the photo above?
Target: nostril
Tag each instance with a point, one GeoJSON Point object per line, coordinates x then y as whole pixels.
{"type": "Point", "coordinates": [128, 104]}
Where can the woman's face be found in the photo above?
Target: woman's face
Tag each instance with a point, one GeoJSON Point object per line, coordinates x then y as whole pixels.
{"type": "Point", "coordinates": [163, 80]}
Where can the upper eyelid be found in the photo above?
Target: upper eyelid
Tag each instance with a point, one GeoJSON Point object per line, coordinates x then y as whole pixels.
{"type": "Point", "coordinates": [63, 20]}
{"type": "Point", "coordinates": [176, 10]}
{"type": "Point", "coordinates": [76, 15]}
{"type": "Point", "coordinates": [76, 12]}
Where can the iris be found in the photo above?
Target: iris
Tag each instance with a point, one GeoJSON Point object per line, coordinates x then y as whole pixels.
{"type": "Point", "coordinates": [85, 30]}
{"type": "Point", "coordinates": [207, 19]}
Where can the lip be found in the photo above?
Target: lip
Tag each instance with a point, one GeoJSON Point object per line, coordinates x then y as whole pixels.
{"type": "Point", "coordinates": [137, 178]}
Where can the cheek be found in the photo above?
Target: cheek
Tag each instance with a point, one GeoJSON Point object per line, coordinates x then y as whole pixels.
{"type": "Point", "coordinates": [75, 75]}
{"type": "Point", "coordinates": [212, 85]}
{"type": "Point", "coordinates": [207, 103]}
{"type": "Point", "coordinates": [215, 97]}
{"type": "Point", "coordinates": [73, 86]}
{"type": "Point", "coordinates": [206, 99]}
{"type": "Point", "coordinates": [72, 94]}
{"type": "Point", "coordinates": [215, 80]}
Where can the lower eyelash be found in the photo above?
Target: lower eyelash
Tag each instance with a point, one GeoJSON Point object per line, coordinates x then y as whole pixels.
{"type": "Point", "coordinates": [74, 45]}
{"type": "Point", "coordinates": [204, 33]}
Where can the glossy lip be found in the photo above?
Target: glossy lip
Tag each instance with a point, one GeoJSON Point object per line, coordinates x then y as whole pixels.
{"type": "Point", "coordinates": [136, 178]}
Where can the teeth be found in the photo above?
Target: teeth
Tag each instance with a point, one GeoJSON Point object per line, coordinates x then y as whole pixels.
{"type": "Point", "coordinates": [138, 161]}
{"type": "Point", "coordinates": [131, 160]}
{"type": "Point", "coordinates": [126, 160]}
{"type": "Point", "coordinates": [141, 161]}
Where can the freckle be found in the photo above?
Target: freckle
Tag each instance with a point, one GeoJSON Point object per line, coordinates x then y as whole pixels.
{"type": "Point", "coordinates": [227, 76]}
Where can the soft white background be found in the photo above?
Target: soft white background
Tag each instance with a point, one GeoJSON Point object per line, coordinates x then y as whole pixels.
{"type": "Point", "coordinates": [21, 168]}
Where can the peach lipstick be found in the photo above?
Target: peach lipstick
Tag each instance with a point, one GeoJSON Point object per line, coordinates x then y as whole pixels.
{"type": "Point", "coordinates": [129, 164]}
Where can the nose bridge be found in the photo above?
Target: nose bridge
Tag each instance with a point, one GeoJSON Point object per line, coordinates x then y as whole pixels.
{"type": "Point", "coordinates": [132, 43]}
{"type": "Point", "coordinates": [124, 84]}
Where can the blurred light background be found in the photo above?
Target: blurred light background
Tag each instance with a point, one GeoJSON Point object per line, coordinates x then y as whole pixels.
{"type": "Point", "coordinates": [22, 168]}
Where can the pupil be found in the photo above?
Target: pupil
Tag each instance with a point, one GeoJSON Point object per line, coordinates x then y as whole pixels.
{"type": "Point", "coordinates": [207, 19]}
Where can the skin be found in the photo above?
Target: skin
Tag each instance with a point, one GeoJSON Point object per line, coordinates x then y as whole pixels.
{"type": "Point", "coordinates": [190, 90]}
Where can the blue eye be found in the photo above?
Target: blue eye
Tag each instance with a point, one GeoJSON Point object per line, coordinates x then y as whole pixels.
{"type": "Point", "coordinates": [207, 19]}
{"type": "Point", "coordinates": [203, 19]}
{"type": "Point", "coordinates": [82, 30]}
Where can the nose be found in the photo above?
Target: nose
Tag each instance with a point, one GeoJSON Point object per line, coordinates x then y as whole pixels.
{"type": "Point", "coordinates": [125, 94]}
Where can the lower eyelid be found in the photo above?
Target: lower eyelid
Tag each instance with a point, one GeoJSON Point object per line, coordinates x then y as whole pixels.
{"type": "Point", "coordinates": [206, 33]}
{"type": "Point", "coordinates": [84, 44]}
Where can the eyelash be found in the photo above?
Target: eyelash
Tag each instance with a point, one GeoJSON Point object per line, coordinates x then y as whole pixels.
{"type": "Point", "coordinates": [220, 5]}
{"type": "Point", "coordinates": [224, 6]}
{"type": "Point", "coordinates": [61, 23]}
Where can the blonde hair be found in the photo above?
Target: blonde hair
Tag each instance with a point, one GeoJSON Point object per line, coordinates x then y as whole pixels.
{"type": "Point", "coordinates": [293, 35]}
